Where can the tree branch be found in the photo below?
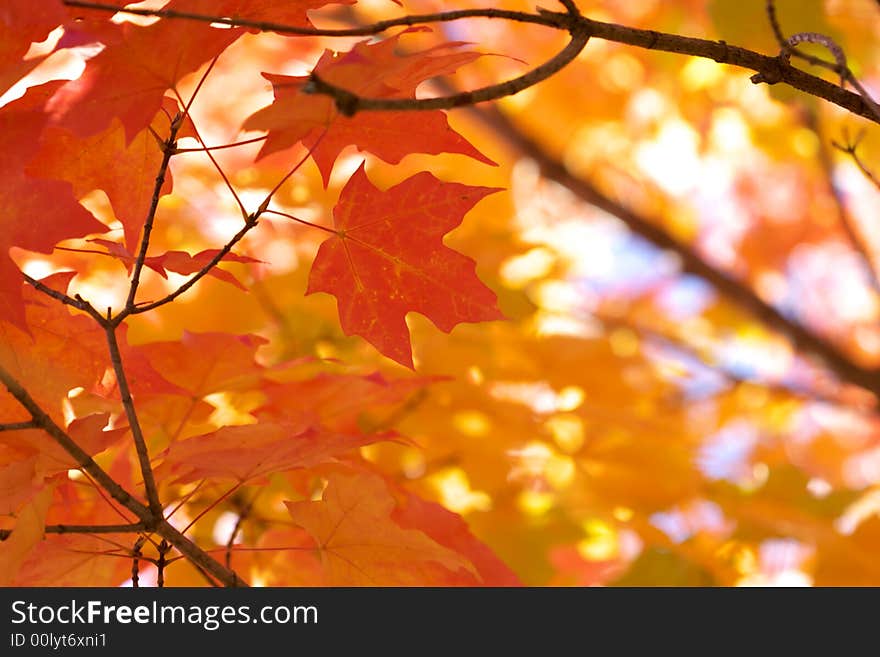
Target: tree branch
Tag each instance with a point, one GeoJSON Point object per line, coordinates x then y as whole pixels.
{"type": "Point", "coordinates": [167, 151]}
{"type": "Point", "coordinates": [151, 522]}
{"type": "Point", "coordinates": [85, 529]}
{"type": "Point", "coordinates": [847, 222]}
{"type": "Point", "coordinates": [249, 224]}
{"type": "Point", "coordinates": [348, 103]}
{"type": "Point", "coordinates": [770, 69]}
{"type": "Point", "coordinates": [76, 302]}
{"type": "Point", "coordinates": [137, 433]}
{"type": "Point", "coordinates": [19, 426]}
{"type": "Point", "coordinates": [691, 262]}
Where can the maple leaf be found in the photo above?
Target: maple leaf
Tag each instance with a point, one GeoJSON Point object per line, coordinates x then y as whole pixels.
{"type": "Point", "coordinates": [34, 457]}
{"type": "Point", "coordinates": [336, 401]}
{"type": "Point", "coordinates": [285, 12]}
{"type": "Point", "coordinates": [450, 530]}
{"type": "Point", "coordinates": [250, 452]}
{"type": "Point", "coordinates": [128, 79]}
{"type": "Point", "coordinates": [369, 69]}
{"type": "Point", "coordinates": [23, 22]}
{"type": "Point", "coordinates": [204, 363]}
{"type": "Point", "coordinates": [34, 214]}
{"type": "Point", "coordinates": [179, 262]}
{"type": "Point", "coordinates": [26, 535]}
{"type": "Point", "coordinates": [358, 541]}
{"type": "Point", "coordinates": [72, 347]}
{"type": "Point", "coordinates": [387, 258]}
{"type": "Point", "coordinates": [125, 172]}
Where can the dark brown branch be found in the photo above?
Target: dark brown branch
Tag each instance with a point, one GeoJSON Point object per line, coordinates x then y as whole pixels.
{"type": "Point", "coordinates": [19, 426]}
{"type": "Point", "coordinates": [82, 458]}
{"type": "Point", "coordinates": [281, 28]}
{"type": "Point", "coordinates": [151, 522]}
{"type": "Point", "coordinates": [85, 529]}
{"type": "Point", "coordinates": [770, 69]}
{"type": "Point", "coordinates": [735, 290]}
{"type": "Point", "coordinates": [855, 239]}
{"type": "Point", "coordinates": [140, 444]}
{"type": "Point", "coordinates": [249, 224]}
{"type": "Point", "coordinates": [839, 66]}
{"type": "Point", "coordinates": [136, 555]}
{"type": "Point", "coordinates": [161, 563]}
{"type": "Point", "coordinates": [348, 103]}
{"type": "Point", "coordinates": [168, 150]}
{"type": "Point", "coordinates": [76, 302]}
{"type": "Point", "coordinates": [850, 147]}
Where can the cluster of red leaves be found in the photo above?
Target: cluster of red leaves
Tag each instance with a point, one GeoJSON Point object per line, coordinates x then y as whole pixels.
{"type": "Point", "coordinates": [104, 131]}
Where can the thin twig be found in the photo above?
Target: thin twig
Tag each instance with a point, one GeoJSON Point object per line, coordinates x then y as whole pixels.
{"type": "Point", "coordinates": [219, 169]}
{"type": "Point", "coordinates": [161, 562]}
{"type": "Point", "coordinates": [301, 221]}
{"type": "Point", "coordinates": [135, 561]}
{"type": "Point", "coordinates": [853, 236]}
{"type": "Point", "coordinates": [220, 147]}
{"type": "Point", "coordinates": [18, 426]}
{"type": "Point", "coordinates": [167, 152]}
{"type": "Point", "coordinates": [250, 223]}
{"type": "Point", "coordinates": [850, 147]}
{"type": "Point", "coordinates": [349, 103]}
{"type": "Point", "coordinates": [127, 528]}
{"type": "Point", "coordinates": [243, 515]}
{"type": "Point", "coordinates": [76, 302]}
{"type": "Point", "coordinates": [839, 65]}
{"type": "Point", "coordinates": [691, 262]}
{"type": "Point", "coordinates": [770, 69]}
{"type": "Point", "coordinates": [151, 522]}
{"type": "Point", "coordinates": [134, 424]}
{"type": "Point", "coordinates": [82, 458]}
{"type": "Point", "coordinates": [290, 30]}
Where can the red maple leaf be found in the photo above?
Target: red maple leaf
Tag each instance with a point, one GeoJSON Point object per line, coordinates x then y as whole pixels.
{"type": "Point", "coordinates": [125, 172]}
{"type": "Point", "coordinates": [21, 23]}
{"type": "Point", "coordinates": [285, 12]}
{"type": "Point", "coordinates": [179, 262]}
{"type": "Point", "coordinates": [129, 78]}
{"type": "Point", "coordinates": [387, 258]}
{"type": "Point", "coordinates": [369, 69]}
{"type": "Point", "coordinates": [34, 214]}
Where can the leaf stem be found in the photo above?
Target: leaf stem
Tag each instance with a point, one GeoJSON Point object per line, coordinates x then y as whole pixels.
{"type": "Point", "coordinates": [302, 221]}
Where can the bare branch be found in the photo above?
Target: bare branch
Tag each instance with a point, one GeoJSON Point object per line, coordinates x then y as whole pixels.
{"type": "Point", "coordinates": [168, 150]}
{"type": "Point", "coordinates": [348, 103]}
{"type": "Point", "coordinates": [82, 458]}
{"type": "Point", "coordinates": [249, 224]}
{"type": "Point", "coordinates": [770, 70]}
{"type": "Point", "coordinates": [137, 433]}
{"type": "Point", "coordinates": [849, 147]}
{"type": "Point", "coordinates": [151, 522]}
{"type": "Point", "coordinates": [19, 426]}
{"type": "Point", "coordinates": [85, 529]}
{"type": "Point", "coordinates": [76, 302]}
{"type": "Point", "coordinates": [855, 239]}
{"type": "Point", "coordinates": [290, 30]}
{"type": "Point", "coordinates": [691, 262]}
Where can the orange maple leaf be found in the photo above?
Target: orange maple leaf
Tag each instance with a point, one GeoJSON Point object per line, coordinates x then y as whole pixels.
{"type": "Point", "coordinates": [369, 69]}
{"type": "Point", "coordinates": [358, 541]}
{"type": "Point", "coordinates": [34, 214]}
{"type": "Point", "coordinates": [129, 78]}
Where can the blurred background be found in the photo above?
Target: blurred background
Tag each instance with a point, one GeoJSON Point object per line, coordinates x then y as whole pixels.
{"type": "Point", "coordinates": [634, 421]}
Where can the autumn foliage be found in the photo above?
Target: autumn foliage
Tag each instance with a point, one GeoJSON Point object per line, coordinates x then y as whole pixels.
{"type": "Point", "coordinates": [283, 301]}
